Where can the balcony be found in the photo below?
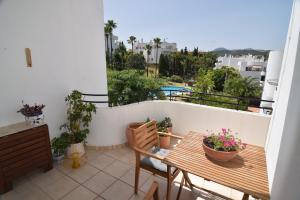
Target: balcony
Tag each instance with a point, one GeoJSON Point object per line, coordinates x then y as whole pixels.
{"type": "Point", "coordinates": [109, 169]}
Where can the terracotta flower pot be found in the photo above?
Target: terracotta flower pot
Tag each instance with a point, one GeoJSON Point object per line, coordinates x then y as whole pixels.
{"type": "Point", "coordinates": [129, 132]}
{"type": "Point", "coordinates": [164, 141]}
{"type": "Point", "coordinates": [219, 155]}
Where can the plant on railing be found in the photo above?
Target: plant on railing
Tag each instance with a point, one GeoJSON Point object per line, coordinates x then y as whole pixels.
{"type": "Point", "coordinates": [163, 125]}
{"type": "Point", "coordinates": [79, 115]}
{"type": "Point", "coordinates": [224, 141]}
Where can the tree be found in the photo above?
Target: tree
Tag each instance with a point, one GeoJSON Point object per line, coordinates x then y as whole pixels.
{"type": "Point", "coordinates": [164, 65]}
{"type": "Point", "coordinates": [107, 32]}
{"type": "Point", "coordinates": [148, 48]}
{"type": "Point", "coordinates": [205, 84]}
{"type": "Point", "coordinates": [129, 86]}
{"type": "Point", "coordinates": [131, 41]}
{"type": "Point", "coordinates": [221, 75]}
{"type": "Point", "coordinates": [111, 25]}
{"type": "Point", "coordinates": [136, 61]}
{"type": "Point", "coordinates": [195, 52]}
{"type": "Point", "coordinates": [185, 52]}
{"type": "Point", "coordinates": [157, 42]}
{"type": "Point", "coordinates": [119, 56]}
{"type": "Point", "coordinates": [242, 87]}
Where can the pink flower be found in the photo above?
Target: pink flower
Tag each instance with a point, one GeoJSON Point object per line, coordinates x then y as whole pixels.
{"type": "Point", "coordinates": [224, 130]}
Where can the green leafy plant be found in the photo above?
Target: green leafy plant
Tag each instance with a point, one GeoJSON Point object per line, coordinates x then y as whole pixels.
{"type": "Point", "coordinates": [163, 125]}
{"type": "Point", "coordinates": [176, 79]}
{"type": "Point", "coordinates": [79, 117]}
{"type": "Point", "coordinates": [60, 144]}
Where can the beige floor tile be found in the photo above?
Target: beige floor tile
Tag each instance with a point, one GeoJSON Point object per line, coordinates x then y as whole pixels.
{"type": "Point", "coordinates": [117, 169]}
{"type": "Point", "coordinates": [99, 182]}
{"type": "Point", "coordinates": [42, 179]}
{"type": "Point", "coordinates": [83, 173]}
{"type": "Point", "coordinates": [25, 191]}
{"type": "Point", "coordinates": [139, 196]}
{"type": "Point", "coordinates": [98, 198]}
{"type": "Point", "coordinates": [129, 177]}
{"type": "Point", "coordinates": [61, 187]}
{"type": "Point", "coordinates": [118, 191]}
{"type": "Point", "coordinates": [92, 154]}
{"type": "Point", "coordinates": [80, 193]}
{"type": "Point", "coordinates": [101, 161]}
{"type": "Point", "coordinates": [119, 153]}
{"type": "Point", "coordinates": [128, 158]}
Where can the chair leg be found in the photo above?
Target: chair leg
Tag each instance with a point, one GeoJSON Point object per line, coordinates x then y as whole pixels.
{"type": "Point", "coordinates": [137, 173]}
{"type": "Point", "coordinates": [180, 188]}
{"type": "Point", "coordinates": [169, 182]}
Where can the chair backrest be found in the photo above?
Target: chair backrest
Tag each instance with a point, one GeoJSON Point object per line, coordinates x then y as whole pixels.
{"type": "Point", "coordinates": [145, 136]}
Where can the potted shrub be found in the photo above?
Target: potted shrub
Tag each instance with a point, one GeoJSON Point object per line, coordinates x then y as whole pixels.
{"type": "Point", "coordinates": [166, 127]}
{"type": "Point", "coordinates": [59, 146]}
{"type": "Point", "coordinates": [33, 114]}
{"type": "Point", "coordinates": [79, 116]}
{"type": "Point", "coordinates": [222, 146]}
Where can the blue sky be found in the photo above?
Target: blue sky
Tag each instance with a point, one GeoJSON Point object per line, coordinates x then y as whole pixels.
{"type": "Point", "coordinates": [207, 24]}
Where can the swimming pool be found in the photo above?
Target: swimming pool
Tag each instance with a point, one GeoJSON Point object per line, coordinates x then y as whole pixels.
{"type": "Point", "coordinates": [174, 89]}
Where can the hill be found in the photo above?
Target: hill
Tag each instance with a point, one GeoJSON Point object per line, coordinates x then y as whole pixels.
{"type": "Point", "coordinates": [236, 52]}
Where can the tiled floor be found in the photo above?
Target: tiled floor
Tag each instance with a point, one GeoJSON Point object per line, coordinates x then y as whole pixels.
{"type": "Point", "coordinates": [105, 175]}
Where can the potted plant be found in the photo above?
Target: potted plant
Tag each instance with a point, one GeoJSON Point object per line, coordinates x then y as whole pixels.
{"type": "Point", "coordinates": [222, 146]}
{"type": "Point", "coordinates": [59, 146]}
{"type": "Point", "coordinates": [130, 128]}
{"type": "Point", "coordinates": [33, 114]}
{"type": "Point", "coordinates": [79, 116]}
{"type": "Point", "coordinates": [166, 127]}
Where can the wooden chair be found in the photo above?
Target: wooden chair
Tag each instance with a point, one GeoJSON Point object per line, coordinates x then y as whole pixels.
{"type": "Point", "coordinates": [145, 139]}
{"type": "Point", "coordinates": [153, 192]}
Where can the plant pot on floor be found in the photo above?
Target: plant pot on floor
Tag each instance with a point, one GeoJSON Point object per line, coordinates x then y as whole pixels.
{"type": "Point", "coordinates": [58, 157]}
{"type": "Point", "coordinates": [76, 148]}
{"type": "Point", "coordinates": [129, 132]}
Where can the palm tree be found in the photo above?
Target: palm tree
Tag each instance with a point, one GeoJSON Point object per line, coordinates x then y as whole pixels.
{"type": "Point", "coordinates": [148, 48]}
{"type": "Point", "coordinates": [111, 26]}
{"type": "Point", "coordinates": [131, 41]}
{"type": "Point", "coordinates": [106, 32]}
{"type": "Point", "coordinates": [157, 42]}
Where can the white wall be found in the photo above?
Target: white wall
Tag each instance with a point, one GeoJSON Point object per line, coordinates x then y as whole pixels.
{"type": "Point", "coordinates": [109, 124]}
{"type": "Point", "coordinates": [283, 152]}
{"type": "Point", "coordinates": [67, 42]}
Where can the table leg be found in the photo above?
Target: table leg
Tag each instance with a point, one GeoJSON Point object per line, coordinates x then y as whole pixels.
{"type": "Point", "coordinates": [246, 196]}
{"type": "Point", "coordinates": [180, 188]}
{"type": "Point", "coordinates": [169, 182]}
{"type": "Point", "coordinates": [188, 180]}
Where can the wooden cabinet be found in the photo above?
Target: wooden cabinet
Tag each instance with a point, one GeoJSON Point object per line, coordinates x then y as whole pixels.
{"type": "Point", "coordinates": [23, 148]}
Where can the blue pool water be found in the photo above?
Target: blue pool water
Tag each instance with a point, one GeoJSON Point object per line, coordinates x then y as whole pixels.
{"type": "Point", "coordinates": [175, 89]}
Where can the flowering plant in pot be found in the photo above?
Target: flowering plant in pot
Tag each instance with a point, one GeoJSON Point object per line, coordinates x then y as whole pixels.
{"type": "Point", "coordinates": [79, 116]}
{"type": "Point", "coordinates": [223, 146]}
{"type": "Point", "coordinates": [166, 127]}
{"type": "Point", "coordinates": [33, 114]}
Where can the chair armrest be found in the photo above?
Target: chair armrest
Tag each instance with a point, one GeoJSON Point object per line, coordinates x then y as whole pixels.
{"type": "Point", "coordinates": [171, 135]}
{"type": "Point", "coordinates": [141, 151]}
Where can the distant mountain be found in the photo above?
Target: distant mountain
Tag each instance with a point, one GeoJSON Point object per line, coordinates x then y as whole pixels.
{"type": "Point", "coordinates": [236, 52]}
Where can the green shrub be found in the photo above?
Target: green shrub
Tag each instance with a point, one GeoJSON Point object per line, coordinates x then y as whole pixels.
{"type": "Point", "coordinates": [130, 86]}
{"type": "Point", "coordinates": [176, 79]}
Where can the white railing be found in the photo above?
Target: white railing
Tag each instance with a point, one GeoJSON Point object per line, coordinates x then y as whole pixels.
{"type": "Point", "coordinates": [109, 124]}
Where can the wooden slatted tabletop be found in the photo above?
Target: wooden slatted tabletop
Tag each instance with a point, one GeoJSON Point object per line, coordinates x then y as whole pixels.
{"type": "Point", "coordinates": [247, 172]}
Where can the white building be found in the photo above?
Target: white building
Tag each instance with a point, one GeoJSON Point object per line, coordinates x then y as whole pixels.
{"type": "Point", "coordinates": [115, 43]}
{"type": "Point", "coordinates": [247, 65]}
{"type": "Point", "coordinates": [272, 78]}
{"type": "Point", "coordinates": [165, 48]}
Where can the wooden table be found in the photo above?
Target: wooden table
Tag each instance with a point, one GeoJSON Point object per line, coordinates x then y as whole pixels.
{"type": "Point", "coordinates": [247, 172]}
